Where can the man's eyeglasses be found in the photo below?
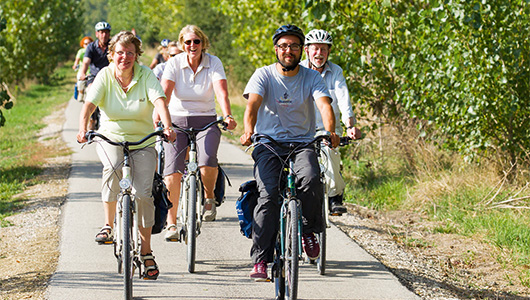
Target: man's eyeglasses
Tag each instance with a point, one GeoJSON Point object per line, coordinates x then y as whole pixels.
{"type": "Point", "coordinates": [128, 53]}
{"type": "Point", "coordinates": [294, 47]}
{"type": "Point", "coordinates": [195, 41]}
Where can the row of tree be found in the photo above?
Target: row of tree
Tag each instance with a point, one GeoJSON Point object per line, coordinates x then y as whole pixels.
{"type": "Point", "coordinates": [457, 70]}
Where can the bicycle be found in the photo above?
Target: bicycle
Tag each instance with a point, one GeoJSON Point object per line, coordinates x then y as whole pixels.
{"type": "Point", "coordinates": [191, 197]}
{"type": "Point", "coordinates": [127, 239]}
{"type": "Point", "coordinates": [321, 237]}
{"type": "Point", "coordinates": [288, 247]}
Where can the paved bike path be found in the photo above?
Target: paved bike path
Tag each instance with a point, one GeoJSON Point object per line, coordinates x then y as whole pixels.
{"type": "Point", "coordinates": [87, 270]}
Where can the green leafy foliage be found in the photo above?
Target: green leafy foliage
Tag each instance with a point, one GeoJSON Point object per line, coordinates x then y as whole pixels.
{"type": "Point", "coordinates": [458, 70]}
{"type": "Point", "coordinates": [38, 35]}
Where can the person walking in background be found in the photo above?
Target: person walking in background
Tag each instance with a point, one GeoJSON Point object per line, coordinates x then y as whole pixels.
{"type": "Point", "coordinates": [281, 104]}
{"type": "Point", "coordinates": [172, 49]}
{"type": "Point", "coordinates": [161, 56]}
{"type": "Point", "coordinates": [317, 48]}
{"type": "Point", "coordinates": [192, 81]}
{"type": "Point", "coordinates": [81, 52]}
{"type": "Point", "coordinates": [127, 93]}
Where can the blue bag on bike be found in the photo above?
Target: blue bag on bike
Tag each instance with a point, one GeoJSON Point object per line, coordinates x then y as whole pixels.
{"type": "Point", "coordinates": [245, 205]}
{"type": "Point", "coordinates": [161, 202]}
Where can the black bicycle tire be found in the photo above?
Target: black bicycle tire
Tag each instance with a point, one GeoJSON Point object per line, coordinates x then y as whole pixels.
{"type": "Point", "coordinates": [127, 246]}
{"type": "Point", "coordinates": [278, 271]}
{"type": "Point", "coordinates": [292, 253]}
{"type": "Point", "coordinates": [192, 223]}
{"type": "Point", "coordinates": [322, 236]}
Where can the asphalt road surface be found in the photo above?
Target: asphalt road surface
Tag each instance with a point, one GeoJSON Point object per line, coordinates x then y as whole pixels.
{"type": "Point", "coordinates": [87, 270]}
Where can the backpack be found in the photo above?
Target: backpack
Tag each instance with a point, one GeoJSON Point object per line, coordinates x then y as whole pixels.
{"type": "Point", "coordinates": [245, 205]}
{"type": "Point", "coordinates": [220, 186]}
{"type": "Point", "coordinates": [161, 202]}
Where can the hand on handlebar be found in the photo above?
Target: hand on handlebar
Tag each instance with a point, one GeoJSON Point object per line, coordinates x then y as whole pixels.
{"type": "Point", "coordinates": [245, 139]}
{"type": "Point", "coordinates": [354, 133]}
{"type": "Point", "coordinates": [335, 140]}
{"type": "Point", "coordinates": [230, 123]}
{"type": "Point", "coordinates": [81, 136]}
{"type": "Point", "coordinates": [170, 134]}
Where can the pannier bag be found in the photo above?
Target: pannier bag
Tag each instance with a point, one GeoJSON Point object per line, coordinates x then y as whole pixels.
{"type": "Point", "coordinates": [245, 205]}
{"type": "Point", "coordinates": [161, 202]}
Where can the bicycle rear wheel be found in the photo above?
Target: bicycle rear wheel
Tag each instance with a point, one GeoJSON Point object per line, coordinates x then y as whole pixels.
{"type": "Point", "coordinates": [321, 261]}
{"type": "Point", "coordinates": [191, 237]}
{"type": "Point", "coordinates": [292, 252]}
{"type": "Point", "coordinates": [126, 253]}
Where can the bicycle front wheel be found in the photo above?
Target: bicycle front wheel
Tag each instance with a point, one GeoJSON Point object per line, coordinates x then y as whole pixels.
{"type": "Point", "coordinates": [191, 237]}
{"type": "Point", "coordinates": [292, 242]}
{"type": "Point", "coordinates": [126, 253]}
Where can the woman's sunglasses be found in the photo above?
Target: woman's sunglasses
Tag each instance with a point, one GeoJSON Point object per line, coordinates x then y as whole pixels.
{"type": "Point", "coordinates": [196, 42]}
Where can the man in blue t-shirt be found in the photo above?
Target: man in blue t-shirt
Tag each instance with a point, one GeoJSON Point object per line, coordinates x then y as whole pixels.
{"type": "Point", "coordinates": [281, 103]}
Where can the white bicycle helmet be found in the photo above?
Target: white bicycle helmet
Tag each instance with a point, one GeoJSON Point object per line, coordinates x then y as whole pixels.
{"type": "Point", "coordinates": [318, 36]}
{"type": "Point", "coordinates": [165, 42]}
{"type": "Point", "coordinates": [102, 26]}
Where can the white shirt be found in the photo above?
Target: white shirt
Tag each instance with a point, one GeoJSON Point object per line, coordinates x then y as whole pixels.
{"type": "Point", "coordinates": [193, 94]}
{"type": "Point", "coordinates": [336, 83]}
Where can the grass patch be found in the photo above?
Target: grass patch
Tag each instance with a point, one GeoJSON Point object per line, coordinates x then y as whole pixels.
{"type": "Point", "coordinates": [454, 195]}
{"type": "Point", "coordinates": [21, 155]}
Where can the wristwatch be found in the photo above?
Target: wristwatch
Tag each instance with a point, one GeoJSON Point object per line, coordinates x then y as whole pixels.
{"type": "Point", "coordinates": [229, 116]}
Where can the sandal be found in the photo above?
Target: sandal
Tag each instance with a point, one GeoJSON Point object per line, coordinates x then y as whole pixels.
{"type": "Point", "coordinates": [105, 235]}
{"type": "Point", "coordinates": [172, 236]}
{"type": "Point", "coordinates": [147, 269]}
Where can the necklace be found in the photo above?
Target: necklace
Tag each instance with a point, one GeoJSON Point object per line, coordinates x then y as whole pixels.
{"type": "Point", "coordinates": [124, 82]}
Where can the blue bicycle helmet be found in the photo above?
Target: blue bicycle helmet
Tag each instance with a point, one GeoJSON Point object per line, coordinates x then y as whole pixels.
{"type": "Point", "coordinates": [102, 26]}
{"type": "Point", "coordinates": [288, 30]}
{"type": "Point", "coordinates": [165, 42]}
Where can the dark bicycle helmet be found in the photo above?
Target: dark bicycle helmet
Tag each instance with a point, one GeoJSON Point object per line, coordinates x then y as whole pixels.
{"type": "Point", "coordinates": [288, 30]}
{"type": "Point", "coordinates": [102, 26]}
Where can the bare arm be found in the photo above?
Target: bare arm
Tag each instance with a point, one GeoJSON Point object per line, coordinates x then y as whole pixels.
{"type": "Point", "coordinates": [220, 88]}
{"type": "Point", "coordinates": [328, 118]}
{"type": "Point", "coordinates": [81, 74]}
{"type": "Point", "coordinates": [84, 117]}
{"type": "Point", "coordinates": [163, 113]}
{"type": "Point", "coordinates": [251, 117]}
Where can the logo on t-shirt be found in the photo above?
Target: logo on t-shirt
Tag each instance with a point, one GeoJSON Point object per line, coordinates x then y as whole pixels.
{"type": "Point", "coordinates": [285, 100]}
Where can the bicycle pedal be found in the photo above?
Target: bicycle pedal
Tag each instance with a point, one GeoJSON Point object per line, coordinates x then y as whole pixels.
{"type": "Point", "coordinates": [335, 214]}
{"type": "Point", "coordinates": [106, 243]}
{"type": "Point", "coordinates": [173, 240]}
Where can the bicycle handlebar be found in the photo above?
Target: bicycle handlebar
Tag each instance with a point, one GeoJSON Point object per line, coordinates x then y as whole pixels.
{"type": "Point", "coordinates": [92, 134]}
{"type": "Point", "coordinates": [319, 137]}
{"type": "Point", "coordinates": [192, 130]}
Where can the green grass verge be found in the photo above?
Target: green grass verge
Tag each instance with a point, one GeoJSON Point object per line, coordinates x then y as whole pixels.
{"type": "Point", "coordinates": [20, 155]}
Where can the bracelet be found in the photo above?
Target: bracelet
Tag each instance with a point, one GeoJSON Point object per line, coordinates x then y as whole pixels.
{"type": "Point", "coordinates": [229, 116]}
{"type": "Point", "coordinates": [169, 128]}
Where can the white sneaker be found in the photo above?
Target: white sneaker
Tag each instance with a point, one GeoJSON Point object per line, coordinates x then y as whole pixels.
{"type": "Point", "coordinates": [209, 214]}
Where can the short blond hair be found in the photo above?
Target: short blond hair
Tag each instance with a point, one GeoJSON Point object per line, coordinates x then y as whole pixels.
{"type": "Point", "coordinates": [194, 29]}
{"type": "Point", "coordinates": [125, 38]}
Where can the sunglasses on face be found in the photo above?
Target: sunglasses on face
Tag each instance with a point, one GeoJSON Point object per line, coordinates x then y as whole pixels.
{"type": "Point", "coordinates": [171, 55]}
{"type": "Point", "coordinates": [195, 41]}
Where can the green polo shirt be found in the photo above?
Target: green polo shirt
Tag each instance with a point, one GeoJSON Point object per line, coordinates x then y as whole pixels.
{"type": "Point", "coordinates": [125, 116]}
